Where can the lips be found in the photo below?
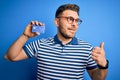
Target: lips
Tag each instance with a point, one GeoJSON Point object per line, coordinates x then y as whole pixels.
{"type": "Point", "coordinates": [72, 30]}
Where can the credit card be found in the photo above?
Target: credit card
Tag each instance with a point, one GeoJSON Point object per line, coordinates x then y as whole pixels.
{"type": "Point", "coordinates": [39, 29]}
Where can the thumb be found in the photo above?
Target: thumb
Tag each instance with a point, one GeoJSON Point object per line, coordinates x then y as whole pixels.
{"type": "Point", "coordinates": [102, 45]}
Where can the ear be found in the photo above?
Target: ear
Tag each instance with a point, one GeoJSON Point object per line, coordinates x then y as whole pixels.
{"type": "Point", "coordinates": [56, 22]}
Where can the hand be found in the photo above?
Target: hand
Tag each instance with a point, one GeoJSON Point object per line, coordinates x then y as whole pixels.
{"type": "Point", "coordinates": [98, 54]}
{"type": "Point", "coordinates": [28, 31]}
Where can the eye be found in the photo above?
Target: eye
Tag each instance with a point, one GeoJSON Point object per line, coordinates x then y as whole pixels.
{"type": "Point", "coordinates": [77, 20]}
{"type": "Point", "coordinates": [71, 18]}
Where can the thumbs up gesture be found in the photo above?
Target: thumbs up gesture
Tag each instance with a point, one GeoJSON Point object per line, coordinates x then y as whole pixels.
{"type": "Point", "coordinates": [98, 54]}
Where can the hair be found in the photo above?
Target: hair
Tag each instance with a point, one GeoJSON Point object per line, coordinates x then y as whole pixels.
{"type": "Point", "coordinates": [64, 7]}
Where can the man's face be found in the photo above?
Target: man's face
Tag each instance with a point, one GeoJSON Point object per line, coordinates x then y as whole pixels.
{"type": "Point", "coordinates": [66, 28]}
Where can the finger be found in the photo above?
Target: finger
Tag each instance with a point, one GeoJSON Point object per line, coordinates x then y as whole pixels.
{"type": "Point", "coordinates": [94, 58]}
{"type": "Point", "coordinates": [41, 24]}
{"type": "Point", "coordinates": [32, 22]}
{"type": "Point", "coordinates": [36, 23]}
{"type": "Point", "coordinates": [102, 45]}
{"type": "Point", "coordinates": [95, 54]}
{"type": "Point", "coordinates": [37, 33]}
{"type": "Point", "coordinates": [96, 49]}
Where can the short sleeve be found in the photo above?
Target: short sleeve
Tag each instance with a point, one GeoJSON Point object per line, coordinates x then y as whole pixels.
{"type": "Point", "coordinates": [31, 49]}
{"type": "Point", "coordinates": [91, 63]}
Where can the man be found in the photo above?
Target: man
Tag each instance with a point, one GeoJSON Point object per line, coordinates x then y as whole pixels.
{"type": "Point", "coordinates": [62, 57]}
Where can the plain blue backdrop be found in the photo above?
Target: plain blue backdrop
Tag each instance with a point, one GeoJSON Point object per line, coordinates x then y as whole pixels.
{"type": "Point", "coordinates": [101, 22]}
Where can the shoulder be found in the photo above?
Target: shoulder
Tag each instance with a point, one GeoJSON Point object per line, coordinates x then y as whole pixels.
{"type": "Point", "coordinates": [46, 40]}
{"type": "Point", "coordinates": [41, 41]}
{"type": "Point", "coordinates": [84, 43]}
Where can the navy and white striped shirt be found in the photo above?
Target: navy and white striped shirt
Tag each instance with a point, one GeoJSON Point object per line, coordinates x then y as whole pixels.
{"type": "Point", "coordinates": [61, 62]}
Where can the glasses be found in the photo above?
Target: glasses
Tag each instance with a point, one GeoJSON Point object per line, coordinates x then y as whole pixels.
{"type": "Point", "coordinates": [71, 20]}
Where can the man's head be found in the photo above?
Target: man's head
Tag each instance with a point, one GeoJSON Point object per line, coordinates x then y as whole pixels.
{"type": "Point", "coordinates": [67, 20]}
{"type": "Point", "coordinates": [64, 7]}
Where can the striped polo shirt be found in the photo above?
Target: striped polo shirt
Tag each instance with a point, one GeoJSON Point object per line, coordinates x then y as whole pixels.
{"type": "Point", "coordinates": [61, 62]}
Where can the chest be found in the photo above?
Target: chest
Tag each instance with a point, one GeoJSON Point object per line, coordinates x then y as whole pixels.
{"type": "Point", "coordinates": [62, 56]}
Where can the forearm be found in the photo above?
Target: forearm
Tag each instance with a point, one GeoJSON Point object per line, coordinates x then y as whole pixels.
{"type": "Point", "coordinates": [100, 74]}
{"type": "Point", "coordinates": [16, 47]}
{"type": "Point", "coordinates": [16, 52]}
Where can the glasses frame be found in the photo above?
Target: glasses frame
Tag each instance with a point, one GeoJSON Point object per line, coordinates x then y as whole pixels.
{"type": "Point", "coordinates": [71, 19]}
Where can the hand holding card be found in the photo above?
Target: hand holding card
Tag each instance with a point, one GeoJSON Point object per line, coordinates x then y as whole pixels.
{"type": "Point", "coordinates": [39, 29]}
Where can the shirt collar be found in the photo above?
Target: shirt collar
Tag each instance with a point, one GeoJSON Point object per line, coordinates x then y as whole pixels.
{"type": "Point", "coordinates": [74, 41]}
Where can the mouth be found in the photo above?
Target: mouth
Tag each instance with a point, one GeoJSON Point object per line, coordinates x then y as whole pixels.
{"type": "Point", "coordinates": [72, 30]}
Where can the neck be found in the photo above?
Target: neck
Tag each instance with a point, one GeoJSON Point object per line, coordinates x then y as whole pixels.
{"type": "Point", "coordinates": [63, 39]}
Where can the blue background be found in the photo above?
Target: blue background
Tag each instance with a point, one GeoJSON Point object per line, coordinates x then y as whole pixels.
{"type": "Point", "coordinates": [101, 22]}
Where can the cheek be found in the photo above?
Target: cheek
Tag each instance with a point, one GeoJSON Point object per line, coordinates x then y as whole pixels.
{"type": "Point", "coordinates": [62, 29]}
{"type": "Point", "coordinates": [63, 26]}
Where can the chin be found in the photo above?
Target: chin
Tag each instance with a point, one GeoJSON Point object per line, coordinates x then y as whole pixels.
{"type": "Point", "coordinates": [70, 36]}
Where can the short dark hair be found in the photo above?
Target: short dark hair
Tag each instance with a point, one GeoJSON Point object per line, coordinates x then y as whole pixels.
{"type": "Point", "coordinates": [64, 7]}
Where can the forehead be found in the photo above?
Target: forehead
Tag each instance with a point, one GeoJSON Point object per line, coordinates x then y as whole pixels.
{"type": "Point", "coordinates": [70, 13]}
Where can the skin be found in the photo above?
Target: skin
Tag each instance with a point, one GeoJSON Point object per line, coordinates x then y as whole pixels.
{"type": "Point", "coordinates": [65, 33]}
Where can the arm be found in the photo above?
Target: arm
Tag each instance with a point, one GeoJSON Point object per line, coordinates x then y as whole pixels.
{"type": "Point", "coordinates": [98, 74]}
{"type": "Point", "coordinates": [16, 52]}
{"type": "Point", "coordinates": [98, 54]}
